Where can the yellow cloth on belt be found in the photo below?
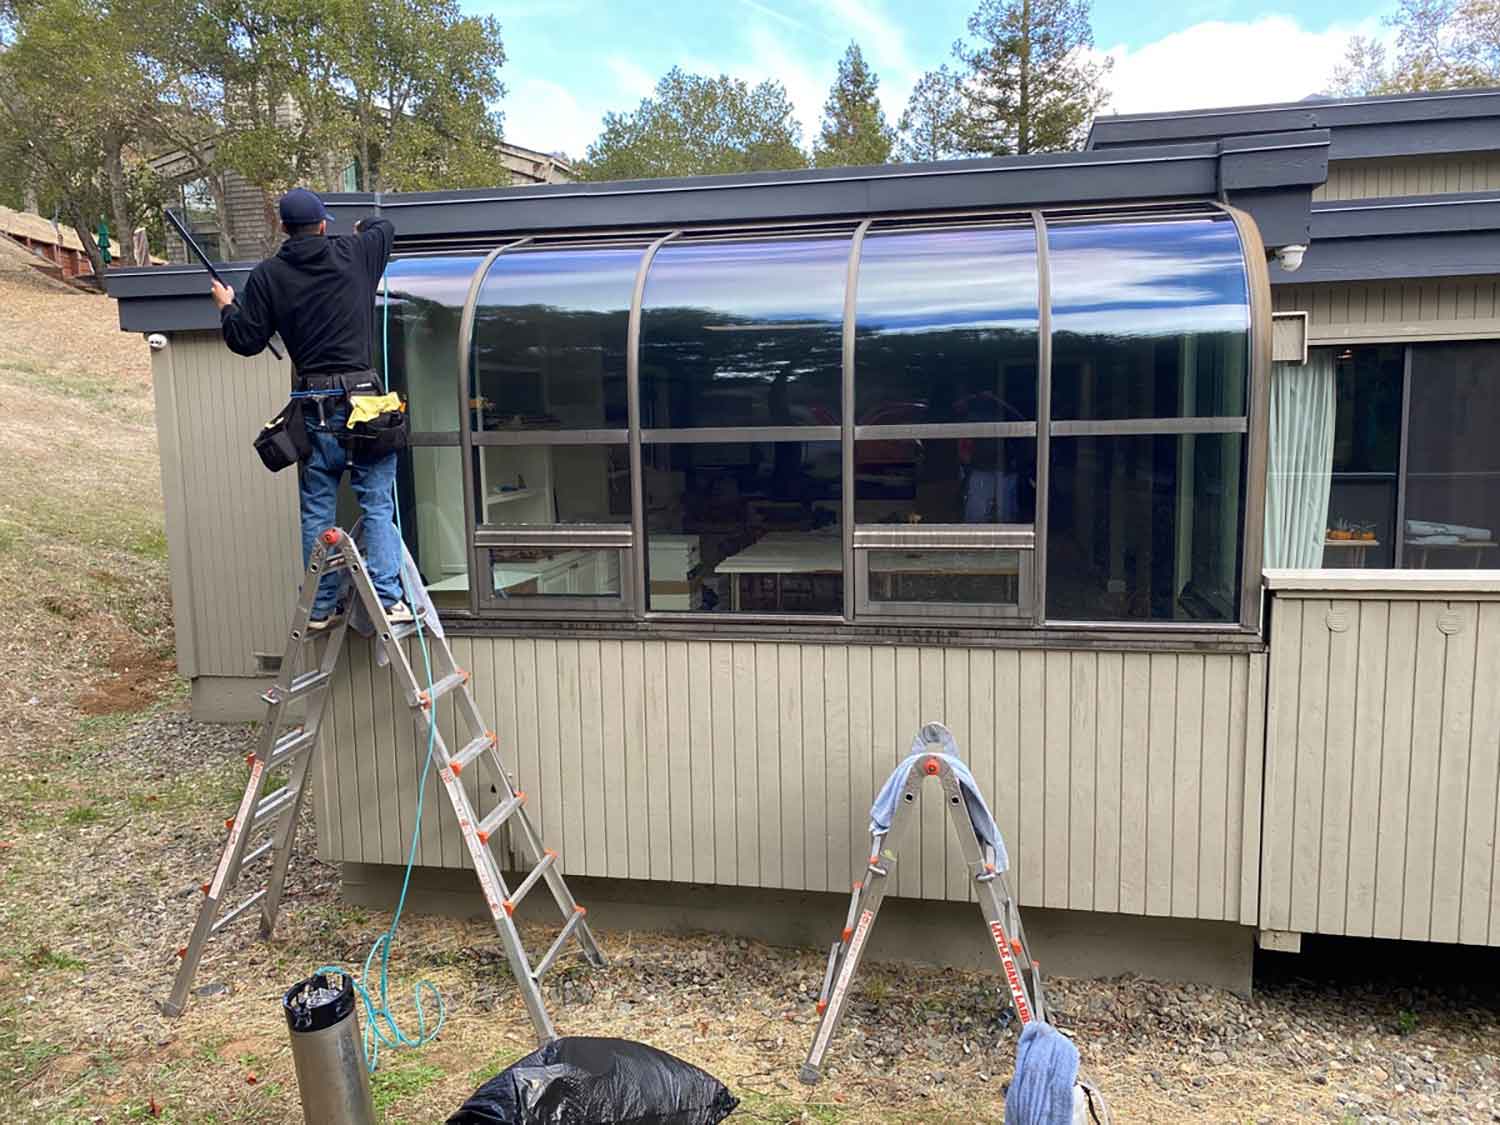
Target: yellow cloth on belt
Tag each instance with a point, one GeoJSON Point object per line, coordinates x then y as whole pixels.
{"type": "Point", "coordinates": [366, 408]}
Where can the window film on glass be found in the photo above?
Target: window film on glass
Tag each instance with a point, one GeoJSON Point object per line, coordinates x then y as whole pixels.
{"type": "Point", "coordinates": [549, 340]}
{"type": "Point", "coordinates": [554, 572]}
{"type": "Point", "coordinates": [1149, 319]}
{"type": "Point", "coordinates": [946, 327]}
{"type": "Point", "coordinates": [935, 480]}
{"type": "Point", "coordinates": [552, 484]}
{"type": "Point", "coordinates": [745, 526]}
{"type": "Point", "coordinates": [1361, 525]}
{"type": "Point", "coordinates": [1145, 528]}
{"type": "Point", "coordinates": [969, 578]}
{"type": "Point", "coordinates": [427, 297]}
{"type": "Point", "coordinates": [429, 484]}
{"type": "Point", "coordinates": [744, 333]}
{"type": "Point", "coordinates": [1452, 506]}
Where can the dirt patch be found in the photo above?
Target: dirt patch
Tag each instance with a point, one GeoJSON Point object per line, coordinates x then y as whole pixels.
{"type": "Point", "coordinates": [255, 1047]}
{"type": "Point", "coordinates": [135, 678]}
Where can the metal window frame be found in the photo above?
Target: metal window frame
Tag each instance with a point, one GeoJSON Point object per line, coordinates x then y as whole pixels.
{"type": "Point", "coordinates": [1398, 559]}
{"type": "Point", "coordinates": [1043, 503]}
{"type": "Point", "coordinates": [639, 604]}
{"type": "Point", "coordinates": [556, 605]}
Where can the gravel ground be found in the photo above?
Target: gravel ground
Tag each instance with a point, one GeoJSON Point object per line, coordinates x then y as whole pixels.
{"type": "Point", "coordinates": [89, 945]}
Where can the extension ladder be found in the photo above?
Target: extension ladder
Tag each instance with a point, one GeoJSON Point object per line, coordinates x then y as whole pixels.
{"type": "Point", "coordinates": [1022, 974]}
{"type": "Point", "coordinates": [289, 741]}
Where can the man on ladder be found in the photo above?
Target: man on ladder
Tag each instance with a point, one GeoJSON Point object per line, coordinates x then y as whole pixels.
{"type": "Point", "coordinates": [318, 292]}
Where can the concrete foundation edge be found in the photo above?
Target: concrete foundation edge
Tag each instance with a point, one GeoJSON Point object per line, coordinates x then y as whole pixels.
{"type": "Point", "coordinates": [1068, 943]}
{"type": "Point", "coordinates": [229, 699]}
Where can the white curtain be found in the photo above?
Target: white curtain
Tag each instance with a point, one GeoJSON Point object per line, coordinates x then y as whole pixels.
{"type": "Point", "coordinates": [1301, 461]}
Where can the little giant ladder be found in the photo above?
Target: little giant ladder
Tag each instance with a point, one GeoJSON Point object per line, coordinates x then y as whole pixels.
{"type": "Point", "coordinates": [289, 741]}
{"type": "Point", "coordinates": [1002, 919]}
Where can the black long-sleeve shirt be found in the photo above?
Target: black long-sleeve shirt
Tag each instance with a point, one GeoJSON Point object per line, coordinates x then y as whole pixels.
{"type": "Point", "coordinates": [319, 293]}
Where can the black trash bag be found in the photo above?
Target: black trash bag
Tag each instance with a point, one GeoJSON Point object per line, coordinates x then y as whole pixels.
{"type": "Point", "coordinates": [587, 1081]}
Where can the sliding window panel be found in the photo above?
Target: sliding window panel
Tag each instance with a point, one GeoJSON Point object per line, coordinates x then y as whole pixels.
{"type": "Point", "coordinates": [916, 480]}
{"type": "Point", "coordinates": [1366, 456]}
{"type": "Point", "coordinates": [743, 333]}
{"type": "Point", "coordinates": [946, 326]}
{"type": "Point", "coordinates": [549, 340]}
{"type": "Point", "coordinates": [427, 296]}
{"type": "Point", "coordinates": [1149, 319]}
{"type": "Point", "coordinates": [557, 483]}
{"type": "Point", "coordinates": [970, 583]}
{"type": "Point", "coordinates": [430, 489]}
{"type": "Point", "coordinates": [551, 578]}
{"type": "Point", "coordinates": [1145, 528]}
{"type": "Point", "coordinates": [1452, 517]}
{"type": "Point", "coordinates": [743, 527]}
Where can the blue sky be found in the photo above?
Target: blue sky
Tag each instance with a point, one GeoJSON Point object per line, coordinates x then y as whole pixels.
{"type": "Point", "coordinates": [573, 60]}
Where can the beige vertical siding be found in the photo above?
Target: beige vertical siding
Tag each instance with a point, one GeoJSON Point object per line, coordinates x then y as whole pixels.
{"type": "Point", "coordinates": [231, 525]}
{"type": "Point", "coordinates": [1121, 780]}
{"type": "Point", "coordinates": [1381, 767]}
{"type": "Point", "coordinates": [1415, 175]}
{"type": "Point", "coordinates": [1442, 309]}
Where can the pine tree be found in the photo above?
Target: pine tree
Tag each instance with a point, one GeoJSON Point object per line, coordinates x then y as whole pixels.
{"type": "Point", "coordinates": [1029, 85]}
{"type": "Point", "coordinates": [854, 128]}
{"type": "Point", "coordinates": [930, 124]}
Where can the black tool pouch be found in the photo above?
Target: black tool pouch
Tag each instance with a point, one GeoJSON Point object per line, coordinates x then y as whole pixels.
{"type": "Point", "coordinates": [283, 440]}
{"type": "Point", "coordinates": [384, 434]}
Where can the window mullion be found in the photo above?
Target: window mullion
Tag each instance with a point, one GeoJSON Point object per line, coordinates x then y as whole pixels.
{"type": "Point", "coordinates": [1043, 420]}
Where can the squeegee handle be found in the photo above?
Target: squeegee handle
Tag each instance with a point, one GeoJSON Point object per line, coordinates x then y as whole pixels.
{"type": "Point", "coordinates": [192, 244]}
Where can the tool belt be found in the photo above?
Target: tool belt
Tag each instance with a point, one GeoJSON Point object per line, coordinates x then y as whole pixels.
{"type": "Point", "coordinates": [370, 433]}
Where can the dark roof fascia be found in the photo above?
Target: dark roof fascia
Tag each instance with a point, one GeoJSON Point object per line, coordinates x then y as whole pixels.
{"type": "Point", "coordinates": [1273, 177]}
{"type": "Point", "coordinates": [1410, 238]}
{"type": "Point", "coordinates": [1420, 124]}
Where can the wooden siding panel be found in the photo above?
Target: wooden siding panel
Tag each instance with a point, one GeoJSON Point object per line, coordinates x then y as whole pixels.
{"type": "Point", "coordinates": [1417, 175]}
{"type": "Point", "coordinates": [755, 763]}
{"type": "Point", "coordinates": [1388, 744]}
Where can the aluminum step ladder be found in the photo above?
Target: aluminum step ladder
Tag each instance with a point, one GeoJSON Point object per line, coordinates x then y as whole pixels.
{"type": "Point", "coordinates": [290, 740]}
{"type": "Point", "coordinates": [1002, 919]}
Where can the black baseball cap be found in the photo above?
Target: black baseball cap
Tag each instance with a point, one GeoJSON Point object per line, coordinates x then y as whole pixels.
{"type": "Point", "coordinates": [300, 206]}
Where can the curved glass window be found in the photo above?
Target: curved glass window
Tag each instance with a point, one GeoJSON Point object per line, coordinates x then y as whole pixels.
{"type": "Point", "coordinates": [1149, 319]}
{"type": "Point", "coordinates": [744, 333]}
{"type": "Point", "coordinates": [549, 340]}
{"type": "Point", "coordinates": [427, 298]}
{"type": "Point", "coordinates": [946, 327]}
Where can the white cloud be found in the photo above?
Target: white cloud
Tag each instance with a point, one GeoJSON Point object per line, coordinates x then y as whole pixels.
{"type": "Point", "coordinates": [630, 76]}
{"type": "Point", "coordinates": [544, 115]}
{"type": "Point", "coordinates": [1224, 63]}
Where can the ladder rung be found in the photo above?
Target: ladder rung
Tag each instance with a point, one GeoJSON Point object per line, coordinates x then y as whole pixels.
{"type": "Point", "coordinates": [549, 857]}
{"type": "Point", "coordinates": [472, 751]}
{"type": "Point", "coordinates": [292, 743]}
{"type": "Point", "coordinates": [225, 919]}
{"type": "Point", "coordinates": [256, 853]}
{"type": "Point", "coordinates": [567, 932]}
{"type": "Point", "coordinates": [299, 688]}
{"type": "Point", "coordinates": [452, 680]}
{"type": "Point", "coordinates": [274, 804]}
{"type": "Point", "coordinates": [498, 816]}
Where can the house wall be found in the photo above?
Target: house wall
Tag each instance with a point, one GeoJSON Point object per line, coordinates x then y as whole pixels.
{"type": "Point", "coordinates": [1383, 748]}
{"type": "Point", "coordinates": [1370, 312]}
{"type": "Point", "coordinates": [1411, 175]}
{"type": "Point", "coordinates": [1123, 782]}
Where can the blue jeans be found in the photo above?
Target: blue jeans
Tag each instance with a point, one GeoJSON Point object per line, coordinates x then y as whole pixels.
{"type": "Point", "coordinates": [373, 482]}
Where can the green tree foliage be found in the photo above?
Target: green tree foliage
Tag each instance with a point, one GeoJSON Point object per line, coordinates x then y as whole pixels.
{"type": "Point", "coordinates": [1440, 45]}
{"type": "Point", "coordinates": [695, 125]}
{"type": "Point", "coordinates": [854, 130]}
{"type": "Point", "coordinates": [1028, 84]}
{"type": "Point", "coordinates": [931, 125]}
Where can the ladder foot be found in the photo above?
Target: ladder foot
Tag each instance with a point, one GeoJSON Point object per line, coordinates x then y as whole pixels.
{"type": "Point", "coordinates": [169, 1009]}
{"type": "Point", "coordinates": [809, 1074]}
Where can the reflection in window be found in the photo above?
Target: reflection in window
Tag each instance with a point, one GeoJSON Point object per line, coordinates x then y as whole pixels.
{"type": "Point", "coordinates": [427, 297]}
{"type": "Point", "coordinates": [1145, 528]}
{"type": "Point", "coordinates": [526, 572]}
{"type": "Point", "coordinates": [945, 480]}
{"type": "Point", "coordinates": [744, 333]}
{"type": "Point", "coordinates": [975, 578]}
{"type": "Point", "coordinates": [549, 340]}
{"type": "Point", "coordinates": [552, 484]}
{"type": "Point", "coordinates": [744, 527]}
{"type": "Point", "coordinates": [1361, 527]}
{"type": "Point", "coordinates": [1453, 457]}
{"type": "Point", "coordinates": [946, 327]}
{"type": "Point", "coordinates": [1149, 319]}
{"type": "Point", "coordinates": [431, 493]}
